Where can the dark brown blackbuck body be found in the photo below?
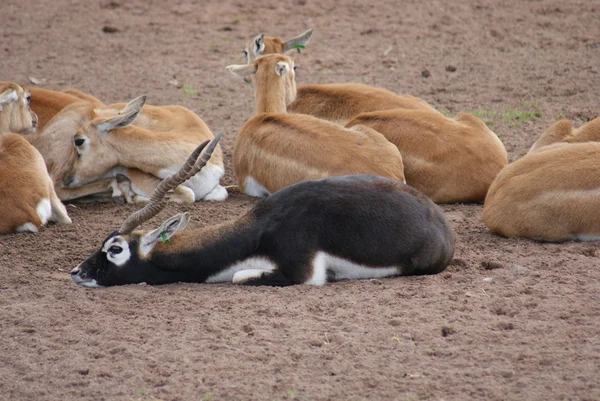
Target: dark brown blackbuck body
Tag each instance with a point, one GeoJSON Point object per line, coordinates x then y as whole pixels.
{"type": "Point", "coordinates": [313, 232]}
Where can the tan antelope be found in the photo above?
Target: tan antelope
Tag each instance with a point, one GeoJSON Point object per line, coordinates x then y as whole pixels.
{"type": "Point", "coordinates": [47, 103]}
{"type": "Point", "coordinates": [103, 142]}
{"type": "Point", "coordinates": [562, 131]}
{"type": "Point", "coordinates": [548, 195]}
{"type": "Point", "coordinates": [313, 232]}
{"type": "Point", "coordinates": [334, 102]}
{"type": "Point", "coordinates": [448, 159]}
{"type": "Point", "coordinates": [26, 191]}
{"type": "Point", "coordinates": [275, 149]}
{"type": "Point", "coordinates": [56, 144]}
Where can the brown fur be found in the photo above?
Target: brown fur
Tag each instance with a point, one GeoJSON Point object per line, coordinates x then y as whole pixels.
{"type": "Point", "coordinates": [563, 132]}
{"type": "Point", "coordinates": [339, 102]}
{"type": "Point", "coordinates": [24, 182]}
{"type": "Point", "coordinates": [279, 149]}
{"type": "Point", "coordinates": [550, 195]}
{"type": "Point", "coordinates": [47, 103]}
{"type": "Point", "coordinates": [450, 160]}
{"type": "Point", "coordinates": [161, 137]}
{"type": "Point", "coordinates": [56, 145]}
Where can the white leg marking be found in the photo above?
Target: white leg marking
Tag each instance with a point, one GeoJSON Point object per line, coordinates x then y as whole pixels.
{"type": "Point", "coordinates": [254, 188]}
{"type": "Point", "coordinates": [319, 273]}
{"type": "Point", "coordinates": [44, 210]}
{"type": "Point", "coordinates": [244, 275]}
{"type": "Point", "coordinates": [206, 180]}
{"type": "Point", "coordinates": [27, 228]}
{"type": "Point", "coordinates": [345, 270]}
{"type": "Point", "coordinates": [217, 194]}
{"type": "Point", "coordinates": [253, 263]}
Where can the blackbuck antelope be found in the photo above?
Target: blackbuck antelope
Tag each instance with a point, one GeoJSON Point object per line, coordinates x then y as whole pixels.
{"type": "Point", "coordinates": [275, 149]}
{"type": "Point", "coordinates": [562, 131]}
{"type": "Point", "coordinates": [448, 159]}
{"type": "Point", "coordinates": [552, 194]}
{"type": "Point", "coordinates": [348, 227]}
{"type": "Point", "coordinates": [99, 143]}
{"type": "Point", "coordinates": [333, 102]}
{"type": "Point", "coordinates": [26, 191]}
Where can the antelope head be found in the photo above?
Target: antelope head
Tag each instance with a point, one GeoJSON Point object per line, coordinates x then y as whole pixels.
{"type": "Point", "coordinates": [261, 45]}
{"type": "Point", "coordinates": [123, 257]}
{"type": "Point", "coordinates": [15, 114]}
{"type": "Point", "coordinates": [92, 155]}
{"type": "Point", "coordinates": [275, 81]}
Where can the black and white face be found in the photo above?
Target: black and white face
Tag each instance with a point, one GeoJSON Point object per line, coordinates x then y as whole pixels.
{"type": "Point", "coordinates": [127, 258]}
{"type": "Point", "coordinates": [105, 266]}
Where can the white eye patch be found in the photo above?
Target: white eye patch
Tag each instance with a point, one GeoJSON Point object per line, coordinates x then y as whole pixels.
{"type": "Point", "coordinates": [117, 250]}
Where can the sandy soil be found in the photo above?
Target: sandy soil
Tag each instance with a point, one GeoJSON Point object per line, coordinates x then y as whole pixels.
{"type": "Point", "coordinates": [509, 320]}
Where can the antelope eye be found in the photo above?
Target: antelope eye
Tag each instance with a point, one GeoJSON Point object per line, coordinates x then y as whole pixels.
{"type": "Point", "coordinates": [295, 67]}
{"type": "Point", "coordinates": [115, 250]}
{"type": "Point", "coordinates": [78, 141]}
{"type": "Point", "coordinates": [245, 52]}
{"type": "Point", "coordinates": [28, 98]}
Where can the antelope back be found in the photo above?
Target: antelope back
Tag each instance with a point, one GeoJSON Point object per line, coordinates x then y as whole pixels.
{"type": "Point", "coordinates": [449, 160]}
{"type": "Point", "coordinates": [552, 194]}
{"type": "Point", "coordinates": [15, 113]}
{"type": "Point", "coordinates": [341, 102]}
{"type": "Point", "coordinates": [48, 103]}
{"type": "Point", "coordinates": [562, 131]}
{"type": "Point", "coordinates": [278, 150]}
{"type": "Point", "coordinates": [26, 191]}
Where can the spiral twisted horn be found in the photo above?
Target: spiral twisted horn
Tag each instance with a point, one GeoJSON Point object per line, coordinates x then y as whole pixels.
{"type": "Point", "coordinates": [156, 204]}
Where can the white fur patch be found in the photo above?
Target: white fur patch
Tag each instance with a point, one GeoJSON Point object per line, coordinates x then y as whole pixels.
{"type": "Point", "coordinates": [11, 97]}
{"type": "Point", "coordinates": [202, 183]}
{"type": "Point", "coordinates": [27, 228]}
{"type": "Point", "coordinates": [254, 188]}
{"type": "Point", "coordinates": [244, 275]}
{"type": "Point", "coordinates": [121, 258]}
{"type": "Point", "coordinates": [44, 210]}
{"type": "Point", "coordinates": [83, 282]}
{"type": "Point", "coordinates": [344, 270]}
{"type": "Point", "coordinates": [217, 194]}
{"type": "Point", "coordinates": [257, 263]}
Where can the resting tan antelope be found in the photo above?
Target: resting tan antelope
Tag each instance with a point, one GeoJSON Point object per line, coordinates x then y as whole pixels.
{"type": "Point", "coordinates": [103, 142]}
{"type": "Point", "coordinates": [26, 191]}
{"type": "Point", "coordinates": [552, 194]}
{"type": "Point", "coordinates": [313, 232]}
{"type": "Point", "coordinates": [47, 103]}
{"type": "Point", "coordinates": [448, 159]}
{"type": "Point", "coordinates": [562, 131]}
{"type": "Point", "coordinates": [334, 102]}
{"type": "Point", "coordinates": [275, 149]}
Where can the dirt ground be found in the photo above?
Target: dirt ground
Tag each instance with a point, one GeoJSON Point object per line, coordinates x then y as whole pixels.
{"type": "Point", "coordinates": [509, 320]}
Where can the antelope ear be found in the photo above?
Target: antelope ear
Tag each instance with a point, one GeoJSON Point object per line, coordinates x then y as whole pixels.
{"type": "Point", "coordinates": [242, 70]}
{"type": "Point", "coordinates": [282, 68]}
{"type": "Point", "coordinates": [125, 116]}
{"type": "Point", "coordinates": [163, 233]}
{"type": "Point", "coordinates": [9, 95]}
{"type": "Point", "coordinates": [301, 40]}
{"type": "Point", "coordinates": [259, 44]}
